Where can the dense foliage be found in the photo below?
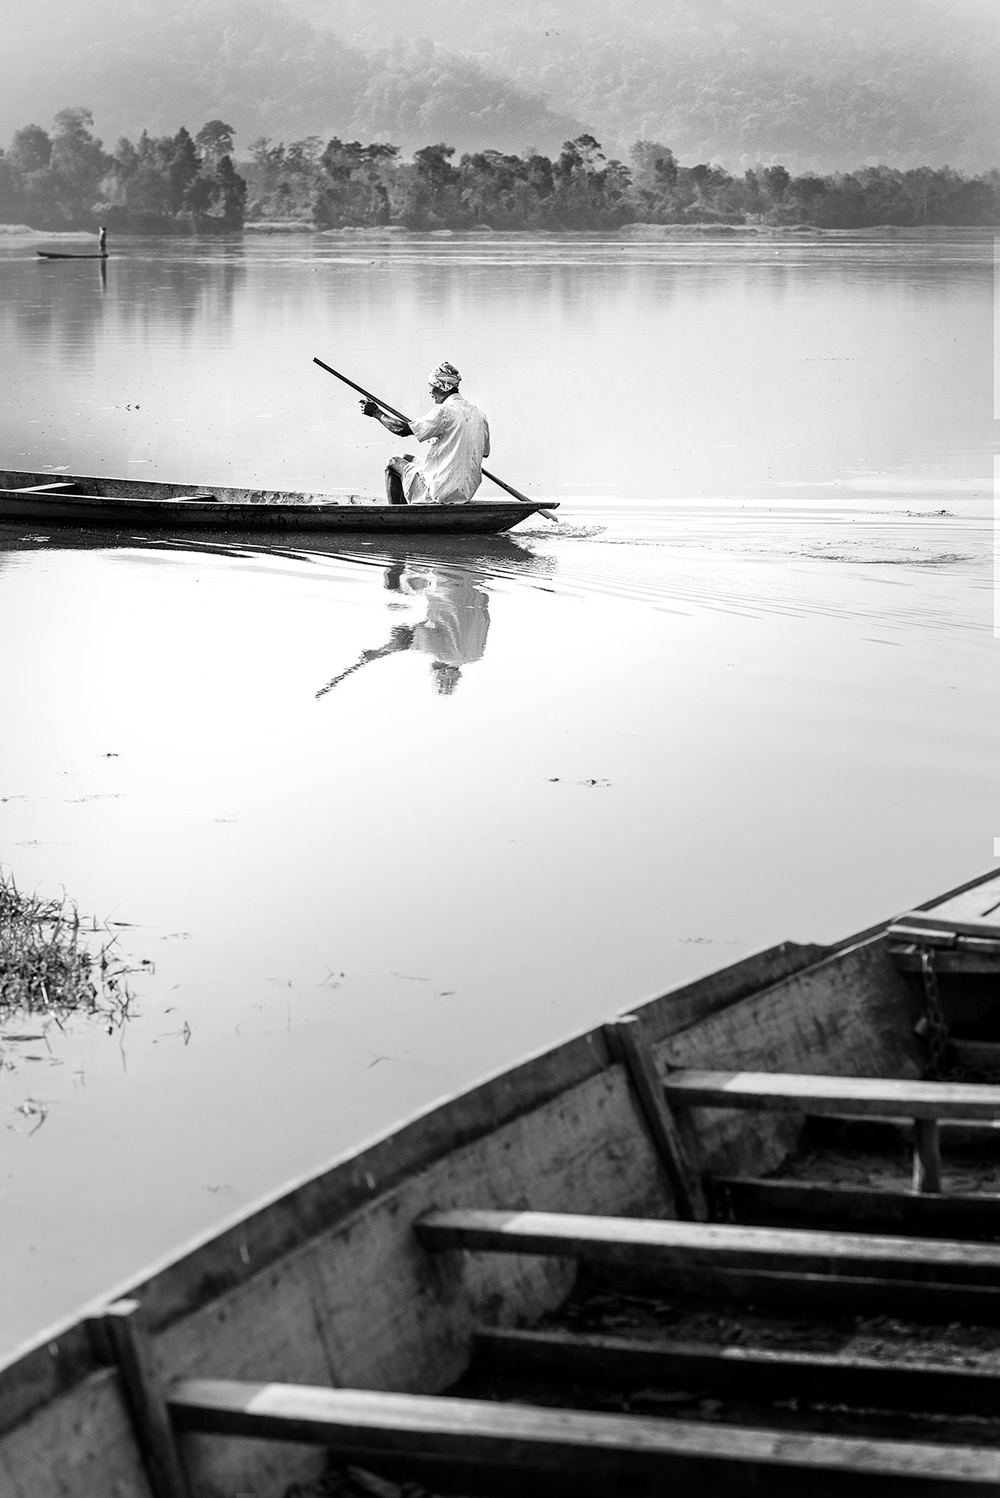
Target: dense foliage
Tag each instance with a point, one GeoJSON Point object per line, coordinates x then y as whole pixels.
{"type": "Point", "coordinates": [816, 84]}
{"type": "Point", "coordinates": [350, 184]}
{"type": "Point", "coordinates": [66, 180]}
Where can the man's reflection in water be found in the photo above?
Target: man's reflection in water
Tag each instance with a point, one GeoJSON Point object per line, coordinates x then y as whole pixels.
{"type": "Point", "coordinates": [454, 628]}
{"type": "Point", "coordinates": [452, 632]}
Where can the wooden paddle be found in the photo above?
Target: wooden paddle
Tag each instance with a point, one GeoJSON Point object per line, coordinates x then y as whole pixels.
{"type": "Point", "coordinates": [393, 412]}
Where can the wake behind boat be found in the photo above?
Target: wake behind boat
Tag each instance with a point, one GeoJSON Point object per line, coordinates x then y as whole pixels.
{"type": "Point", "coordinates": [625, 1265]}
{"type": "Point", "coordinates": [80, 500]}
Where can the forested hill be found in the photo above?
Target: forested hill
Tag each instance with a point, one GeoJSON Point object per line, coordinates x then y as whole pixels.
{"type": "Point", "coordinates": [819, 85]}
{"type": "Point", "coordinates": [260, 65]}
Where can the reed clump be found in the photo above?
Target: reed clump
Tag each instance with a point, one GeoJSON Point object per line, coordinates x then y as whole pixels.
{"type": "Point", "coordinates": [48, 965]}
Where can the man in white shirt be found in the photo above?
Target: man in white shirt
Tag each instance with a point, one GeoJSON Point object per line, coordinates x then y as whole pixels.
{"type": "Point", "coordinates": [459, 438]}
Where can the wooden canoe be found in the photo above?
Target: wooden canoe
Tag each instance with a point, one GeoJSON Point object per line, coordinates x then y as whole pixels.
{"type": "Point", "coordinates": [536, 1287]}
{"type": "Point", "coordinates": [70, 255]}
{"type": "Point", "coordinates": [66, 499]}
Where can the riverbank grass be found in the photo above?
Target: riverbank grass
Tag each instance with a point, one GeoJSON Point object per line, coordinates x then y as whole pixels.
{"type": "Point", "coordinates": [48, 965]}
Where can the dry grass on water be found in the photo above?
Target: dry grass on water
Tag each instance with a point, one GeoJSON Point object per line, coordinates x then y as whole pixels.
{"type": "Point", "coordinates": [49, 969]}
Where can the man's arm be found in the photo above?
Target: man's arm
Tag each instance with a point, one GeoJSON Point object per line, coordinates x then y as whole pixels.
{"type": "Point", "coordinates": [391, 423]}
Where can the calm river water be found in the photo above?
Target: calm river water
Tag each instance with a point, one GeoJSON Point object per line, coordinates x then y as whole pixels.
{"type": "Point", "coordinates": [743, 691]}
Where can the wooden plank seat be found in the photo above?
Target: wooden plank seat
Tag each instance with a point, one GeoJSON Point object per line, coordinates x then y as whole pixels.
{"type": "Point", "coordinates": [973, 912]}
{"type": "Point", "coordinates": [937, 1281]}
{"type": "Point", "coordinates": [787, 1202]}
{"type": "Point", "coordinates": [949, 953]}
{"type": "Point", "coordinates": [872, 1097]}
{"type": "Point", "coordinates": [515, 1448]}
{"type": "Point", "coordinates": [926, 1103]}
{"type": "Point", "coordinates": [764, 1373]}
{"type": "Point", "coordinates": [668, 1244]}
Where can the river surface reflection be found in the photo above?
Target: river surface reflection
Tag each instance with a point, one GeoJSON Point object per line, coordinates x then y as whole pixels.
{"type": "Point", "coordinates": [381, 816]}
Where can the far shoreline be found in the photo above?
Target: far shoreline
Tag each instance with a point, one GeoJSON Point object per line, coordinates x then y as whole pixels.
{"type": "Point", "coordinates": [639, 231]}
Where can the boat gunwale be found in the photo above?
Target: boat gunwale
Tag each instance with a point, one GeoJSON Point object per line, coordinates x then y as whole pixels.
{"type": "Point", "coordinates": [225, 1257]}
{"type": "Point", "coordinates": [222, 507]}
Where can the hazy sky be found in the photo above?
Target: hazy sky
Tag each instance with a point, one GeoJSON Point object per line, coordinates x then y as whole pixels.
{"type": "Point", "coordinates": [822, 83]}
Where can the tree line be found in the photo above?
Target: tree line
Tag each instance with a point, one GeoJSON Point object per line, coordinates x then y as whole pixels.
{"type": "Point", "coordinates": [347, 184]}
{"type": "Point", "coordinates": [65, 179]}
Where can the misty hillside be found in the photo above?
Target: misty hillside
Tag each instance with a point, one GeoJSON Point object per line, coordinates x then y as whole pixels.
{"type": "Point", "coordinates": [821, 84]}
{"type": "Point", "coordinates": [260, 66]}
{"type": "Point", "coordinates": [816, 84]}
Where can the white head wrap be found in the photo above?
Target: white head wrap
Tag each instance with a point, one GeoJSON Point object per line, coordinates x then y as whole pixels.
{"type": "Point", "coordinates": [445, 377]}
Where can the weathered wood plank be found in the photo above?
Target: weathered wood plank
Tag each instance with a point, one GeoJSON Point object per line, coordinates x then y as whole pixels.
{"type": "Point", "coordinates": [784, 1203]}
{"type": "Point", "coordinates": [594, 1448]}
{"type": "Point", "coordinates": [754, 1373]}
{"type": "Point", "coordinates": [665, 1245]}
{"type": "Point", "coordinates": [78, 1446]}
{"type": "Point", "coordinates": [852, 1014]}
{"type": "Point", "coordinates": [681, 1007]}
{"type": "Point", "coordinates": [129, 1343]}
{"type": "Point", "coordinates": [923, 1301]}
{"type": "Point", "coordinates": [46, 1372]}
{"type": "Point", "coordinates": [984, 957]}
{"type": "Point", "coordinates": [882, 1097]}
{"type": "Point", "coordinates": [682, 1174]}
{"type": "Point", "coordinates": [975, 910]}
{"type": "Point", "coordinates": [925, 936]}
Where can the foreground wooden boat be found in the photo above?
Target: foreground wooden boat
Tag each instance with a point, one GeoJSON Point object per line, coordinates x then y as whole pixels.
{"type": "Point", "coordinates": [70, 255]}
{"type": "Point", "coordinates": [580, 1277]}
{"type": "Point", "coordinates": [67, 499]}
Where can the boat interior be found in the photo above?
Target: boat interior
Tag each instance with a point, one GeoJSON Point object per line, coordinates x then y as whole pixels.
{"type": "Point", "coordinates": [743, 1240]}
{"type": "Point", "coordinates": [55, 484]}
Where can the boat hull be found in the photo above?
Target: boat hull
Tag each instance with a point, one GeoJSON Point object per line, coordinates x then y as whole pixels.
{"type": "Point", "coordinates": [328, 1283]}
{"type": "Point", "coordinates": [45, 499]}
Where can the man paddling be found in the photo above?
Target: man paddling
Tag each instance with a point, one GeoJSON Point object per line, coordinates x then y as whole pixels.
{"type": "Point", "coordinates": [459, 438]}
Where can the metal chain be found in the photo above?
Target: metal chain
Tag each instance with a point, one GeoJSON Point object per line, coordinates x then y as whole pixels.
{"type": "Point", "coordinates": [937, 1030]}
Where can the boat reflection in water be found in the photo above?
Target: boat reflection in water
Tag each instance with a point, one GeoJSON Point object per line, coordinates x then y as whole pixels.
{"type": "Point", "coordinates": [444, 583]}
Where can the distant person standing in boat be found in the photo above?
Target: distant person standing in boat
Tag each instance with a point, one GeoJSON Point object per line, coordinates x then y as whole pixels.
{"type": "Point", "coordinates": [102, 240]}
{"type": "Point", "coordinates": [459, 438]}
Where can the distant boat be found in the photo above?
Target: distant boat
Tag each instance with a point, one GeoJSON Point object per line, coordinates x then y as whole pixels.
{"type": "Point", "coordinates": [69, 499]}
{"type": "Point", "coordinates": [70, 255]}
